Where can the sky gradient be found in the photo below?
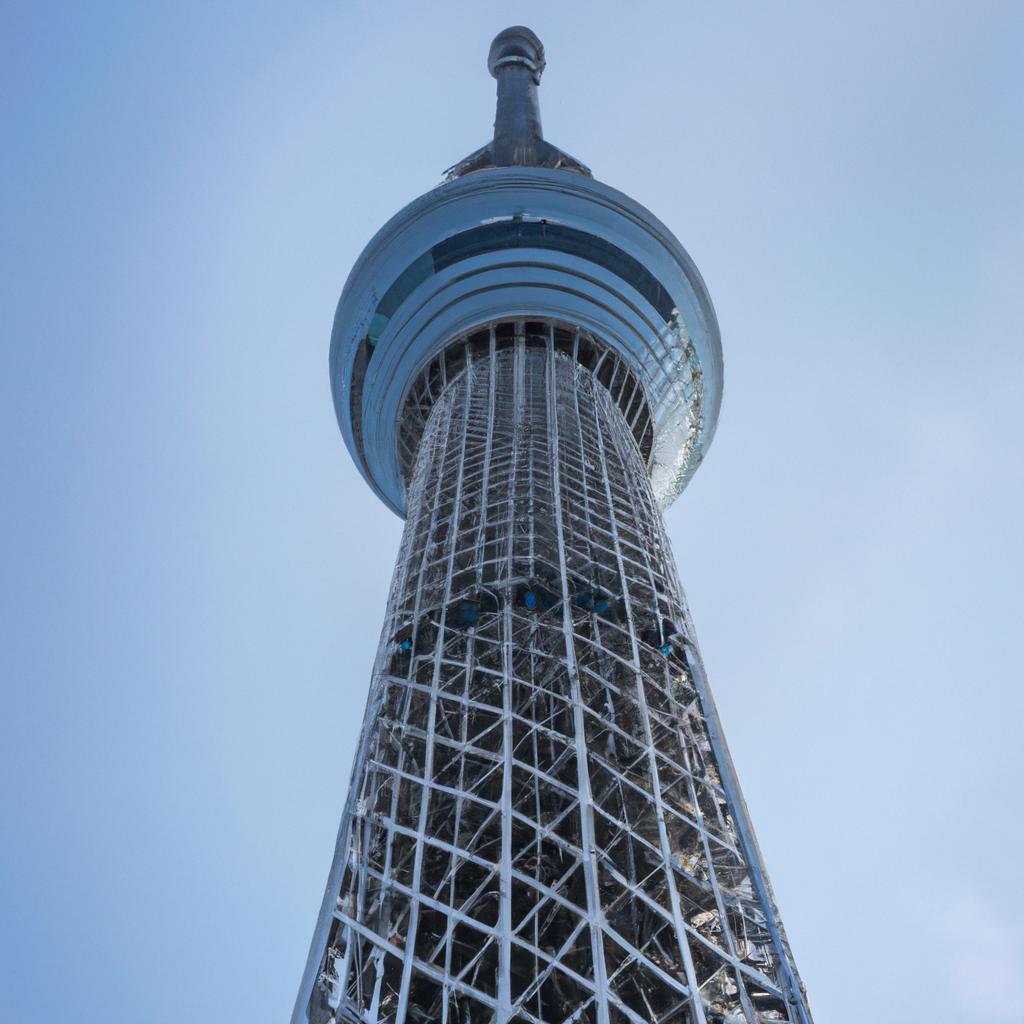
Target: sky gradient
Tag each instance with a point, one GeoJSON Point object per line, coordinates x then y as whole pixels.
{"type": "Point", "coordinates": [195, 575]}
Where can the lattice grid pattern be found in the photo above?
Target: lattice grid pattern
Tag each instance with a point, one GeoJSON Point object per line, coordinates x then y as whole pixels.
{"type": "Point", "coordinates": [541, 826]}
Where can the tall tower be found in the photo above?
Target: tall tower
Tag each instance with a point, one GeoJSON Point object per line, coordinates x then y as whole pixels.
{"type": "Point", "coordinates": [544, 825]}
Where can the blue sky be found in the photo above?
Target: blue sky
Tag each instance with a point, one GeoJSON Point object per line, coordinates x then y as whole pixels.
{"type": "Point", "coordinates": [195, 575]}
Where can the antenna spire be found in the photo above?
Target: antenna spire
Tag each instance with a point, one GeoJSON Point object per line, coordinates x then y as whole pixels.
{"type": "Point", "coordinates": [516, 60]}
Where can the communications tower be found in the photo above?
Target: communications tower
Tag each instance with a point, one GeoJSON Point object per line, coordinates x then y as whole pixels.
{"type": "Point", "coordinates": [544, 825]}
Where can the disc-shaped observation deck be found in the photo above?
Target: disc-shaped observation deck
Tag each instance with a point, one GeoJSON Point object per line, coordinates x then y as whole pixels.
{"type": "Point", "coordinates": [521, 234]}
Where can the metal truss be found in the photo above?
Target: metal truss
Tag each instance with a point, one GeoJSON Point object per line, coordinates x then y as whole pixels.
{"type": "Point", "coordinates": [607, 367]}
{"type": "Point", "coordinates": [544, 824]}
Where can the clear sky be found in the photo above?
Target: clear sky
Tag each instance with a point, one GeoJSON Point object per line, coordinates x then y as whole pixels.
{"type": "Point", "coordinates": [194, 575]}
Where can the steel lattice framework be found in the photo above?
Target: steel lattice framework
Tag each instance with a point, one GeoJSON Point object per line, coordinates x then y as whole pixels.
{"type": "Point", "coordinates": [543, 824]}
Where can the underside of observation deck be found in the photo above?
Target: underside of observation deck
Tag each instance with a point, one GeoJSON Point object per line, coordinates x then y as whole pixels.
{"type": "Point", "coordinates": [582, 347]}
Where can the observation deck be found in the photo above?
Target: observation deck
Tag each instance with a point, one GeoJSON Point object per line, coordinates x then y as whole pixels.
{"type": "Point", "coordinates": [520, 233]}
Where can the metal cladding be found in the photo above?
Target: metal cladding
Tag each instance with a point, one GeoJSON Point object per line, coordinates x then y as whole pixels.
{"type": "Point", "coordinates": [544, 825]}
{"type": "Point", "coordinates": [520, 229]}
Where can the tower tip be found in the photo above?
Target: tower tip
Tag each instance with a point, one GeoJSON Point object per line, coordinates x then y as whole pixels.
{"type": "Point", "coordinates": [517, 45]}
{"type": "Point", "coordinates": [516, 60]}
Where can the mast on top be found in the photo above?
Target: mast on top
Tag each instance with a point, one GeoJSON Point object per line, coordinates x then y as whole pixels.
{"type": "Point", "coordinates": [516, 60]}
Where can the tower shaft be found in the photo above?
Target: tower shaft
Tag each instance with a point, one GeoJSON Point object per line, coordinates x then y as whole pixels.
{"type": "Point", "coordinates": [544, 824]}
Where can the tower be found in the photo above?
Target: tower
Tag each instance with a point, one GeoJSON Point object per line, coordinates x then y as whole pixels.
{"type": "Point", "coordinates": [544, 824]}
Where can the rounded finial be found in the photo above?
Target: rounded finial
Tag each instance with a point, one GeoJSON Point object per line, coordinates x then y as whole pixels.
{"type": "Point", "coordinates": [517, 45]}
